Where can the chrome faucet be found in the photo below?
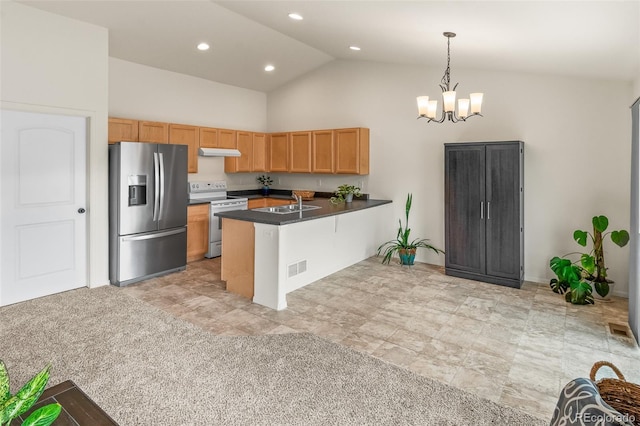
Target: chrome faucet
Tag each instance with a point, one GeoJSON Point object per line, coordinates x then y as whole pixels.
{"type": "Point", "coordinates": [298, 198]}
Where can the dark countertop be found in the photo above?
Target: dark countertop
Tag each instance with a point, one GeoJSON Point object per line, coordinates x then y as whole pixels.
{"type": "Point", "coordinates": [327, 209]}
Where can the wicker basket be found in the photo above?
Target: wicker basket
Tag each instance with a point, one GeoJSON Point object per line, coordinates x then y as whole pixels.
{"type": "Point", "coordinates": [306, 195]}
{"type": "Point", "coordinates": [621, 395]}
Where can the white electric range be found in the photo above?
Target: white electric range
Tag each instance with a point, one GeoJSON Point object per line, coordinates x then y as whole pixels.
{"type": "Point", "coordinates": [215, 193]}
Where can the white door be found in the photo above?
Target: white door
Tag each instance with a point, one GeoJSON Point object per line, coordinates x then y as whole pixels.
{"type": "Point", "coordinates": [42, 205]}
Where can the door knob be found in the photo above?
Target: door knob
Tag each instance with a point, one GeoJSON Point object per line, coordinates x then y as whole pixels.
{"type": "Point", "coordinates": [81, 210]}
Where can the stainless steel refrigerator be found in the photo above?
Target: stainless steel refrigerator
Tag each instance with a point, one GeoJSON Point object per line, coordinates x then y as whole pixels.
{"type": "Point", "coordinates": [147, 210]}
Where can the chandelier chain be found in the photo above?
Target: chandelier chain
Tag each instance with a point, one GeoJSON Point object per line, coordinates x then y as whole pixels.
{"type": "Point", "coordinates": [446, 78]}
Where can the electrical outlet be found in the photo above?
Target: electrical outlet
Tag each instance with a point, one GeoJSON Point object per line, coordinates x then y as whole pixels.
{"type": "Point", "coordinates": [278, 181]}
{"type": "Point", "coordinates": [319, 182]}
{"type": "Point", "coordinates": [361, 184]}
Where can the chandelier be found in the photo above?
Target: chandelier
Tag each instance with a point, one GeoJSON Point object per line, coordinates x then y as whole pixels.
{"type": "Point", "coordinates": [428, 109]}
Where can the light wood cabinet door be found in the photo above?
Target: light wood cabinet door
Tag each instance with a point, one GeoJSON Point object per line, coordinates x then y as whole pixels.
{"type": "Point", "coordinates": [197, 231]}
{"type": "Point", "coordinates": [352, 151]}
{"type": "Point", "coordinates": [300, 152]}
{"type": "Point", "coordinates": [272, 202]}
{"type": "Point", "coordinates": [279, 152]}
{"type": "Point", "coordinates": [260, 153]}
{"type": "Point", "coordinates": [226, 139]}
{"type": "Point", "coordinates": [179, 134]}
{"type": "Point", "coordinates": [122, 129]}
{"type": "Point", "coordinates": [322, 152]}
{"type": "Point", "coordinates": [153, 131]}
{"type": "Point", "coordinates": [244, 144]}
{"type": "Point", "coordinates": [256, 203]}
{"type": "Point", "coordinates": [208, 137]}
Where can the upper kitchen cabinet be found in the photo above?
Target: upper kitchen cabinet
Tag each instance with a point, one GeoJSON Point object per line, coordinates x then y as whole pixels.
{"type": "Point", "coordinates": [352, 151]}
{"type": "Point", "coordinates": [279, 152]}
{"type": "Point", "coordinates": [260, 153]}
{"type": "Point", "coordinates": [300, 152]}
{"type": "Point", "coordinates": [244, 144]}
{"type": "Point", "coordinates": [153, 131]}
{"type": "Point", "coordinates": [122, 129]}
{"type": "Point", "coordinates": [208, 137]}
{"type": "Point", "coordinates": [179, 134]}
{"type": "Point", "coordinates": [226, 139]}
{"type": "Point", "coordinates": [322, 152]}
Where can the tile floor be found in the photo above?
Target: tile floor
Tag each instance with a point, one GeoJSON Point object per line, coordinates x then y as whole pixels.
{"type": "Point", "coordinates": [515, 347]}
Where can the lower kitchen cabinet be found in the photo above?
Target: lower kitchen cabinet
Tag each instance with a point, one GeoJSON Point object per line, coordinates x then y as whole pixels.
{"type": "Point", "coordinates": [484, 226]}
{"type": "Point", "coordinates": [256, 203]}
{"type": "Point", "coordinates": [197, 231]}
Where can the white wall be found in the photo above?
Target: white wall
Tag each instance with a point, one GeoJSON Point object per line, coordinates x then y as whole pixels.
{"type": "Point", "coordinates": [57, 65]}
{"type": "Point", "coordinates": [146, 93]}
{"type": "Point", "coordinates": [576, 133]}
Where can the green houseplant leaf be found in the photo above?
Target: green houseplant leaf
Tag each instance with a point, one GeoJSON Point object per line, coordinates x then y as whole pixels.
{"type": "Point", "coordinates": [581, 237]}
{"type": "Point", "coordinates": [620, 238]}
{"type": "Point", "coordinates": [4, 384]}
{"type": "Point", "coordinates": [25, 397]}
{"type": "Point", "coordinates": [602, 288]}
{"type": "Point", "coordinates": [43, 416]}
{"type": "Point", "coordinates": [588, 262]}
{"type": "Point", "coordinates": [580, 293]}
{"type": "Point", "coordinates": [600, 223]}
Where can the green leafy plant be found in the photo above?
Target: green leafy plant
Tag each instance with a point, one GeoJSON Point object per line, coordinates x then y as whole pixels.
{"type": "Point", "coordinates": [265, 180]}
{"type": "Point", "coordinates": [343, 191]}
{"type": "Point", "coordinates": [575, 277]}
{"type": "Point", "coordinates": [402, 245]}
{"type": "Point", "coordinates": [13, 406]}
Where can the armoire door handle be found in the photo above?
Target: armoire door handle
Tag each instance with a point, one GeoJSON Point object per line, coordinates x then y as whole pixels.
{"type": "Point", "coordinates": [481, 209]}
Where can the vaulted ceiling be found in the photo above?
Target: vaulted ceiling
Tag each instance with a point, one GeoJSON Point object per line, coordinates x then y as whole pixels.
{"type": "Point", "coordinates": [580, 38]}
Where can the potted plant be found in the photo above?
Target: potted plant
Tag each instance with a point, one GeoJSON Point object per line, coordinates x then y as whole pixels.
{"type": "Point", "coordinates": [345, 194]}
{"type": "Point", "coordinates": [578, 278]}
{"type": "Point", "coordinates": [406, 249]}
{"type": "Point", "coordinates": [266, 181]}
{"type": "Point", "coordinates": [13, 406]}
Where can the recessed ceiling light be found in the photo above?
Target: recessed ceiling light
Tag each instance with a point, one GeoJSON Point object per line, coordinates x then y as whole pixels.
{"type": "Point", "coordinates": [296, 16]}
{"type": "Point", "coordinates": [269, 68]}
{"type": "Point", "coordinates": [354, 48]}
{"type": "Point", "coordinates": [203, 46]}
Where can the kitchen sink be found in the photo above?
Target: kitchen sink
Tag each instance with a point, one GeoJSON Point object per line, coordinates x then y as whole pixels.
{"type": "Point", "coordinates": [290, 208]}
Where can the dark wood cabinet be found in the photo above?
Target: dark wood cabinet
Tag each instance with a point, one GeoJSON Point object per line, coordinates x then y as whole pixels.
{"type": "Point", "coordinates": [484, 227]}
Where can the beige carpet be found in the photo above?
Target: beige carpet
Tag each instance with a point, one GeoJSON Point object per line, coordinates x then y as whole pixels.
{"type": "Point", "coordinates": [144, 367]}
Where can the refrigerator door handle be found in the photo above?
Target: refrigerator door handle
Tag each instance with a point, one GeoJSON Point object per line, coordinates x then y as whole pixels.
{"type": "Point", "coordinates": [154, 235]}
{"type": "Point", "coordinates": [161, 209]}
{"type": "Point", "coordinates": [156, 187]}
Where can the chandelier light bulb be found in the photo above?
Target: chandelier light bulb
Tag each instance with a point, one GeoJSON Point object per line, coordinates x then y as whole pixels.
{"type": "Point", "coordinates": [432, 109]}
{"type": "Point", "coordinates": [423, 102]}
{"type": "Point", "coordinates": [476, 103]}
{"type": "Point", "coordinates": [449, 99]}
{"type": "Point", "coordinates": [463, 108]}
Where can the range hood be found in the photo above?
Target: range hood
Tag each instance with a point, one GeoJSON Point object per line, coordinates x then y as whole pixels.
{"type": "Point", "coordinates": [218, 152]}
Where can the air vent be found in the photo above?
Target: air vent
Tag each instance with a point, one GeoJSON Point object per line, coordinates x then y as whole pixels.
{"type": "Point", "coordinates": [297, 268]}
{"type": "Point", "coordinates": [619, 330]}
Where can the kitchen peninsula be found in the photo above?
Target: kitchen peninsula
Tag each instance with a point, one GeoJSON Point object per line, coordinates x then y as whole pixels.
{"type": "Point", "coordinates": [266, 255]}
